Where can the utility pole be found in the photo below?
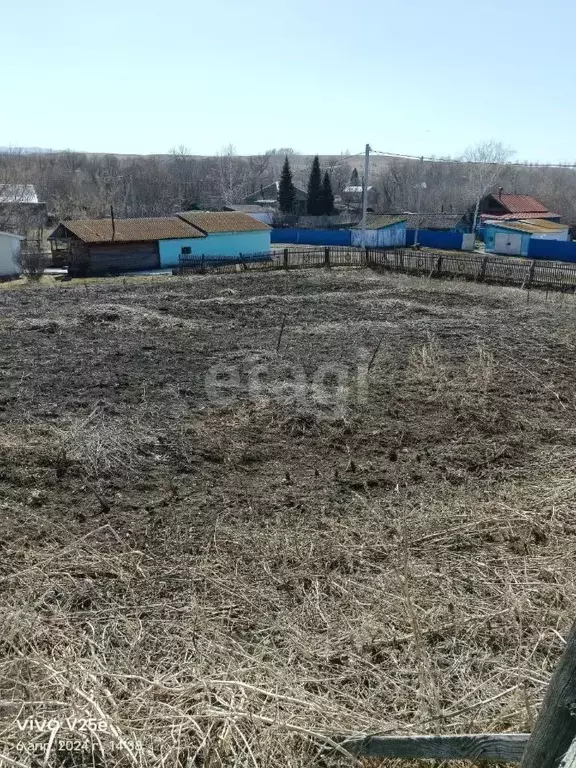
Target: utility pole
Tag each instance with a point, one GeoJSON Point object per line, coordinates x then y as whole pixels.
{"type": "Point", "coordinates": [365, 193]}
{"type": "Point", "coordinates": [421, 186]}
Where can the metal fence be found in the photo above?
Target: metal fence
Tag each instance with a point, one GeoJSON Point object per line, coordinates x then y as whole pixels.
{"type": "Point", "coordinates": [301, 236]}
{"type": "Point", "coordinates": [433, 264]}
{"type": "Point", "coordinates": [553, 250]}
{"type": "Point", "coordinates": [433, 239]}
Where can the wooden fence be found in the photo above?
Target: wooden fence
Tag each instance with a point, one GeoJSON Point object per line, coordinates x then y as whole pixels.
{"type": "Point", "coordinates": [500, 270]}
{"type": "Point", "coordinates": [287, 258]}
{"type": "Point", "coordinates": [552, 743]}
{"type": "Point", "coordinates": [497, 270]}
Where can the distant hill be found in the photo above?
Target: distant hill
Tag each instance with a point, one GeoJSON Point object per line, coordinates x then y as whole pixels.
{"type": "Point", "coordinates": [27, 150]}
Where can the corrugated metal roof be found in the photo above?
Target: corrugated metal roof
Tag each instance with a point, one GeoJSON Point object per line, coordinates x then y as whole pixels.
{"type": "Point", "coordinates": [18, 193]}
{"type": "Point", "coordinates": [519, 216]}
{"type": "Point", "coordinates": [130, 230]}
{"type": "Point", "coordinates": [240, 208]}
{"type": "Point", "coordinates": [433, 220]}
{"type": "Point", "coordinates": [223, 221]}
{"type": "Point", "coordinates": [520, 203]}
{"type": "Point", "coordinates": [530, 227]}
{"type": "Point", "coordinates": [353, 189]}
{"type": "Point", "coordinates": [379, 221]}
{"type": "Point", "coordinates": [546, 224]}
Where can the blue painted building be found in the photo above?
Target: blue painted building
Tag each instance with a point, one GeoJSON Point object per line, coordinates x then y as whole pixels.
{"type": "Point", "coordinates": [512, 238]}
{"type": "Point", "coordinates": [382, 231]}
{"type": "Point", "coordinates": [224, 234]}
{"type": "Point", "coordinates": [106, 246]}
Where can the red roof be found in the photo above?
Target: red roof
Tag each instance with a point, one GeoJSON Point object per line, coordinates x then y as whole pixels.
{"type": "Point", "coordinates": [520, 203]}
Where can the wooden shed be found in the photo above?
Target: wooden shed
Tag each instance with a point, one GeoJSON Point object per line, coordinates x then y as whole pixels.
{"type": "Point", "coordinates": [100, 246]}
{"type": "Point", "coordinates": [382, 231]}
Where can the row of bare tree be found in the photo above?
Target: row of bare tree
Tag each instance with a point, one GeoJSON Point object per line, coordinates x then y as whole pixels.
{"type": "Point", "coordinates": [85, 185]}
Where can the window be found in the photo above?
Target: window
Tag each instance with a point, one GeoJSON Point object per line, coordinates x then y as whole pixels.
{"type": "Point", "coordinates": [186, 250]}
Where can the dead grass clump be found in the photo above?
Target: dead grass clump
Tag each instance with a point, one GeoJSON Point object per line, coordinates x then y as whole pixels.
{"type": "Point", "coordinates": [101, 446]}
{"type": "Point", "coordinates": [280, 637]}
{"type": "Point", "coordinates": [272, 572]}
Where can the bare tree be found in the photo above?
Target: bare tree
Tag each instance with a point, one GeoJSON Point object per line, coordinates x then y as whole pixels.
{"type": "Point", "coordinates": [76, 185]}
{"type": "Point", "coordinates": [486, 162]}
{"type": "Point", "coordinates": [259, 165]}
{"type": "Point", "coordinates": [32, 261]}
{"type": "Point", "coordinates": [232, 175]}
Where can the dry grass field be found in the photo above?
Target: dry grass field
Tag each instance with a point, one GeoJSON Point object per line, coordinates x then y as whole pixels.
{"type": "Point", "coordinates": [231, 566]}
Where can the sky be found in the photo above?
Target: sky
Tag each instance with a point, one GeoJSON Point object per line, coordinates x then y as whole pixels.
{"type": "Point", "coordinates": [414, 77]}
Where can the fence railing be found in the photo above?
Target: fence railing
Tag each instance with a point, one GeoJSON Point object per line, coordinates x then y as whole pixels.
{"type": "Point", "coordinates": [552, 743]}
{"type": "Point", "coordinates": [498, 270]}
{"type": "Point", "coordinates": [287, 258]}
{"type": "Point", "coordinates": [488, 269]}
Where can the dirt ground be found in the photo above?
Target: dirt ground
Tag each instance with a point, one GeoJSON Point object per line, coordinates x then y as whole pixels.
{"type": "Point", "coordinates": [241, 513]}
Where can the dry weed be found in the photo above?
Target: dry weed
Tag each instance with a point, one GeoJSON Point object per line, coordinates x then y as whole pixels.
{"type": "Point", "coordinates": [266, 578]}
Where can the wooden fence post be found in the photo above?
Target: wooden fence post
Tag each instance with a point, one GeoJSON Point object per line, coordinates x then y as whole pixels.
{"type": "Point", "coordinates": [327, 257]}
{"type": "Point", "coordinates": [285, 258]}
{"type": "Point", "coordinates": [482, 272]}
{"type": "Point", "coordinates": [528, 281]}
{"type": "Point", "coordinates": [555, 728]}
{"type": "Point", "coordinates": [569, 760]}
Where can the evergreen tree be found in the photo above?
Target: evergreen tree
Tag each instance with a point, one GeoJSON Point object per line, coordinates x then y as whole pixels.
{"type": "Point", "coordinates": [286, 191]}
{"type": "Point", "coordinates": [354, 178]}
{"type": "Point", "coordinates": [315, 202]}
{"type": "Point", "coordinates": [327, 195]}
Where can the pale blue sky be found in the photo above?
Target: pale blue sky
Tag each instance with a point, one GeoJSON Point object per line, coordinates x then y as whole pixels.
{"type": "Point", "coordinates": [420, 77]}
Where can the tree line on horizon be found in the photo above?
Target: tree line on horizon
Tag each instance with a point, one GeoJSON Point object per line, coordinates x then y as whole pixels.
{"type": "Point", "coordinates": [78, 185]}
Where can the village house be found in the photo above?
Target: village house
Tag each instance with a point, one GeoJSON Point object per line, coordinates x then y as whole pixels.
{"type": "Point", "coordinates": [512, 207]}
{"type": "Point", "coordinates": [258, 212]}
{"type": "Point", "coordinates": [512, 238]}
{"type": "Point", "coordinates": [268, 197]}
{"type": "Point", "coordinates": [21, 212]}
{"type": "Point", "coordinates": [438, 222]}
{"type": "Point", "coordinates": [100, 246]}
{"type": "Point", "coordinates": [352, 196]}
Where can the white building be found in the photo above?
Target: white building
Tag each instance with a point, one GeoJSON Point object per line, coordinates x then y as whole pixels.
{"type": "Point", "coordinates": [9, 252]}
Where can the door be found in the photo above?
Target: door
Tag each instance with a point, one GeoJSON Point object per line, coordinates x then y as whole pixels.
{"type": "Point", "coordinates": [509, 244]}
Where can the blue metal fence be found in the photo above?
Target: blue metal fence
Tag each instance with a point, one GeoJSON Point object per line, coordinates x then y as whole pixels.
{"type": "Point", "coordinates": [553, 250]}
{"type": "Point", "coordinates": [449, 241]}
{"type": "Point", "coordinates": [427, 238]}
{"type": "Point", "coordinates": [311, 236]}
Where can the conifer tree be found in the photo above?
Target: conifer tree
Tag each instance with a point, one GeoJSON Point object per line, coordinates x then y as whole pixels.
{"type": "Point", "coordinates": [315, 202]}
{"type": "Point", "coordinates": [286, 191]}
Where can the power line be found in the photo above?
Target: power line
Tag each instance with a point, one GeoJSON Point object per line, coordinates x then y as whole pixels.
{"type": "Point", "coordinates": [472, 162]}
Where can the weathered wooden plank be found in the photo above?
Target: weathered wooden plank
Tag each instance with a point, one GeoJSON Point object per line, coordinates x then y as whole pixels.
{"type": "Point", "coordinates": [508, 747]}
{"type": "Point", "coordinates": [555, 728]}
{"type": "Point", "coordinates": [569, 759]}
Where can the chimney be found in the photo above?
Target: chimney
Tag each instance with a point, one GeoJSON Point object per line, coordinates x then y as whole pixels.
{"type": "Point", "coordinates": [500, 190]}
{"type": "Point", "coordinates": [113, 222]}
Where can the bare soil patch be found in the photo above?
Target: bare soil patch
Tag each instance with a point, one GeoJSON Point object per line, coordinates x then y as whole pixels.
{"type": "Point", "coordinates": [222, 581]}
